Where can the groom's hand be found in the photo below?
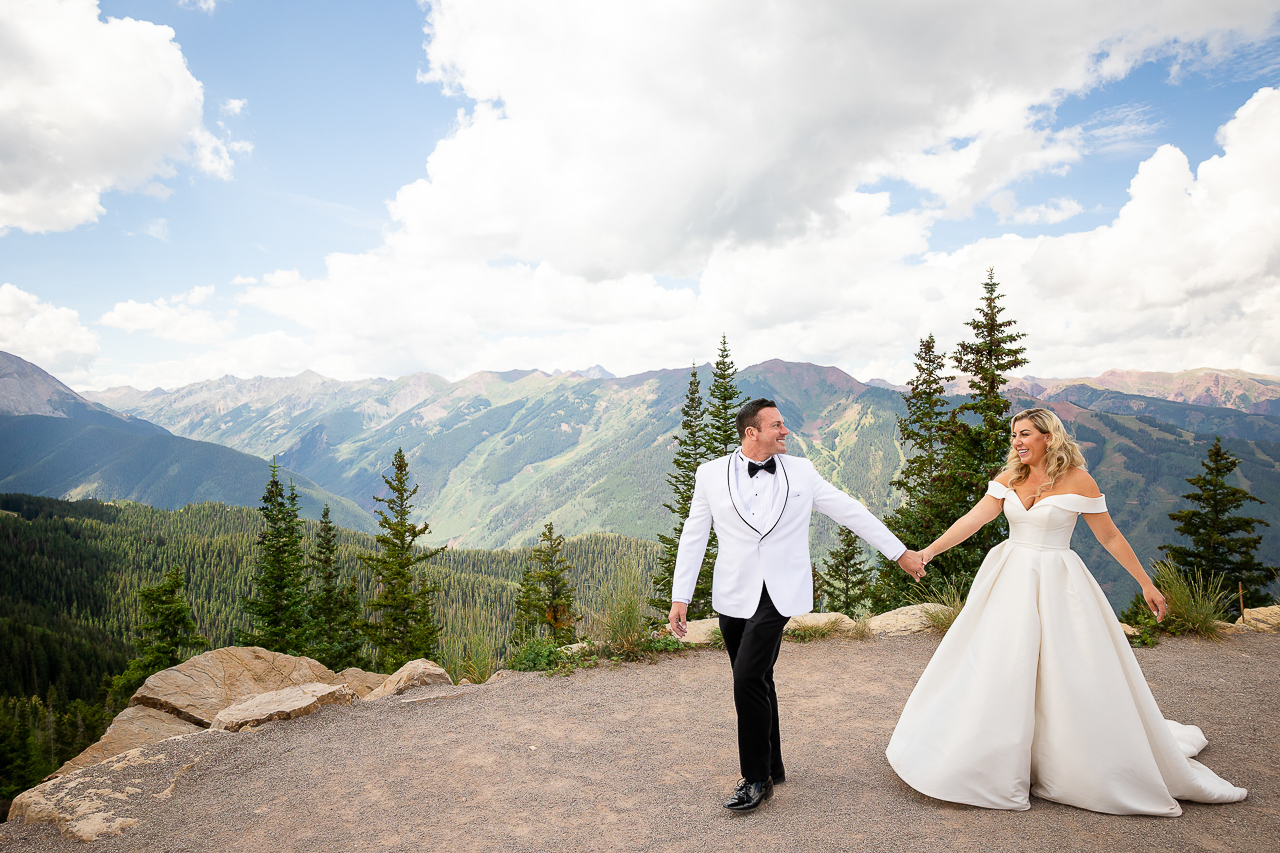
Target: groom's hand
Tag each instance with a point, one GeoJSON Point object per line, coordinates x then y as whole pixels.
{"type": "Point", "coordinates": [912, 563]}
{"type": "Point", "coordinates": [678, 620]}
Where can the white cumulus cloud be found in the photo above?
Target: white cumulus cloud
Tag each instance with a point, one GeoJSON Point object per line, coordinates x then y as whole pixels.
{"type": "Point", "coordinates": [88, 106]}
{"type": "Point", "coordinates": [635, 179]}
{"type": "Point", "coordinates": [46, 335]}
{"type": "Point", "coordinates": [170, 319]}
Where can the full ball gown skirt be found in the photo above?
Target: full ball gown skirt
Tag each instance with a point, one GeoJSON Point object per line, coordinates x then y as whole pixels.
{"type": "Point", "coordinates": [1035, 690]}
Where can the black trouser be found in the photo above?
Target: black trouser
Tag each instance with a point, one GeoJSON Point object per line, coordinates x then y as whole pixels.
{"type": "Point", "coordinates": [753, 649]}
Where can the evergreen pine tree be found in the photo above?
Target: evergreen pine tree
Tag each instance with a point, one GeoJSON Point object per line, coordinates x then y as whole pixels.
{"type": "Point", "coordinates": [723, 402]}
{"type": "Point", "coordinates": [929, 499]}
{"type": "Point", "coordinates": [1221, 543]}
{"type": "Point", "coordinates": [335, 634]}
{"type": "Point", "coordinates": [162, 639]}
{"type": "Point", "coordinates": [848, 577]}
{"type": "Point", "coordinates": [403, 628]}
{"type": "Point", "coordinates": [545, 601]}
{"type": "Point", "coordinates": [691, 451]}
{"type": "Point", "coordinates": [279, 612]}
{"type": "Point", "coordinates": [978, 437]}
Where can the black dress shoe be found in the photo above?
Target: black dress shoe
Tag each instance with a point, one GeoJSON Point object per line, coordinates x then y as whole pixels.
{"type": "Point", "coordinates": [749, 795]}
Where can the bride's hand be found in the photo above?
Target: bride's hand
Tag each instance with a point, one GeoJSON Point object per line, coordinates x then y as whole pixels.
{"type": "Point", "coordinates": [1156, 602]}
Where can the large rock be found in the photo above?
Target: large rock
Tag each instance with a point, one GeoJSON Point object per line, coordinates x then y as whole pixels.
{"type": "Point", "coordinates": [363, 683]}
{"type": "Point", "coordinates": [199, 688]}
{"type": "Point", "coordinates": [284, 704]}
{"type": "Point", "coordinates": [1263, 619]}
{"type": "Point", "coordinates": [107, 798]}
{"type": "Point", "coordinates": [133, 727]}
{"type": "Point", "coordinates": [905, 620]}
{"type": "Point", "coordinates": [416, 673]}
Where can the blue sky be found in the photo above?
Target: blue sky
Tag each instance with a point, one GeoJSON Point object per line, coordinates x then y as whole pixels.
{"type": "Point", "coordinates": [621, 184]}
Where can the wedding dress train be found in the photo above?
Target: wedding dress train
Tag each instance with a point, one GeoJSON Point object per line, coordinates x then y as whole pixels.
{"type": "Point", "coordinates": [1035, 690]}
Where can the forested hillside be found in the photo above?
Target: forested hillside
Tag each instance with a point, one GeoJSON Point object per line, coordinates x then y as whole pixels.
{"type": "Point", "coordinates": [76, 458]}
{"type": "Point", "coordinates": [72, 570]}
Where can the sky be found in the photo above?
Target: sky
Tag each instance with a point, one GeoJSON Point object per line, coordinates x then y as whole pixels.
{"type": "Point", "coordinates": [196, 188]}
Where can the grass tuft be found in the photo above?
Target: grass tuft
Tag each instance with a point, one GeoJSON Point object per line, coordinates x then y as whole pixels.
{"type": "Point", "coordinates": [1197, 605]}
{"type": "Point", "coordinates": [942, 604]}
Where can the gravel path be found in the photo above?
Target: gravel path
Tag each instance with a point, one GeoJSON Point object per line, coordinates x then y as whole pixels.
{"type": "Point", "coordinates": [639, 757]}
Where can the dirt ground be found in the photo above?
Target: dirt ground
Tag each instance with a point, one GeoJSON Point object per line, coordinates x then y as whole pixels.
{"type": "Point", "coordinates": [639, 757]}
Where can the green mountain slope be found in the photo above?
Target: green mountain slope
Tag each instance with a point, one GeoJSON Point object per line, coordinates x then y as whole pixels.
{"type": "Point", "coordinates": [71, 458]}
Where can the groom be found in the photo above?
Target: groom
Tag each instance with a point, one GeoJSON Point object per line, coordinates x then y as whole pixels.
{"type": "Point", "coordinates": [759, 500]}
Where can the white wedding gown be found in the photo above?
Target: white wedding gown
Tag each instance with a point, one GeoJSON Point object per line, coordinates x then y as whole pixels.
{"type": "Point", "coordinates": [1035, 690]}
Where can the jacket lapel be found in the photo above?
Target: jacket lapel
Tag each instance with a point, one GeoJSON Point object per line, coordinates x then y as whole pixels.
{"type": "Point", "coordinates": [734, 498]}
{"type": "Point", "coordinates": [779, 499]}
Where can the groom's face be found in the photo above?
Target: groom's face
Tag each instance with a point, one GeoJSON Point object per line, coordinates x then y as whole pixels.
{"type": "Point", "coordinates": [769, 436]}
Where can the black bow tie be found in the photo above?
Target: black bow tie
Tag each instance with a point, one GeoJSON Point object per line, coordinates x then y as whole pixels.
{"type": "Point", "coordinates": [754, 468]}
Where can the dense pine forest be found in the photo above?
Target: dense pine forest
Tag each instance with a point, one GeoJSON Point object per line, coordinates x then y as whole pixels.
{"type": "Point", "coordinates": [70, 573]}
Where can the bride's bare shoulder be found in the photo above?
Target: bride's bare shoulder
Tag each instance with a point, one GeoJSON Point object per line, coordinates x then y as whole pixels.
{"type": "Point", "coordinates": [1077, 481]}
{"type": "Point", "coordinates": [1004, 477]}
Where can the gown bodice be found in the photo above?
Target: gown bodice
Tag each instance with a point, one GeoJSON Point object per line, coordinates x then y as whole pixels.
{"type": "Point", "coordinates": [1049, 523]}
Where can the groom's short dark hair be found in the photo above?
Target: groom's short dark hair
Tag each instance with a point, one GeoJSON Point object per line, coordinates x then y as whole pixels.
{"type": "Point", "coordinates": [749, 415]}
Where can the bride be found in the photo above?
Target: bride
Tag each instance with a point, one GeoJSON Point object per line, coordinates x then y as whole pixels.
{"type": "Point", "coordinates": [1034, 689]}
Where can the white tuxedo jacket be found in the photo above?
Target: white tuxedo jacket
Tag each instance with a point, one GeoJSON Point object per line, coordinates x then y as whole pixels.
{"type": "Point", "coordinates": [777, 551]}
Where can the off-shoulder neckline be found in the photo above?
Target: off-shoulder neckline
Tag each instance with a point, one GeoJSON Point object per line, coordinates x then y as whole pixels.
{"type": "Point", "coordinates": [1026, 508]}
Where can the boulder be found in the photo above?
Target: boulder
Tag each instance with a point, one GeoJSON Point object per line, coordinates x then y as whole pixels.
{"type": "Point", "coordinates": [109, 797]}
{"type": "Point", "coordinates": [1129, 630]}
{"type": "Point", "coordinates": [1262, 619]}
{"type": "Point", "coordinates": [363, 683]}
{"type": "Point", "coordinates": [199, 688]}
{"type": "Point", "coordinates": [416, 673]}
{"type": "Point", "coordinates": [133, 727]}
{"type": "Point", "coordinates": [284, 704]}
{"type": "Point", "coordinates": [904, 620]}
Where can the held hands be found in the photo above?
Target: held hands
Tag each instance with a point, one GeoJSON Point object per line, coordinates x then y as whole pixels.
{"type": "Point", "coordinates": [678, 620]}
{"type": "Point", "coordinates": [1155, 601]}
{"type": "Point", "coordinates": [912, 562]}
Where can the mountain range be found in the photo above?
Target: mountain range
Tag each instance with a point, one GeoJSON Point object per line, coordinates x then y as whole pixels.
{"type": "Point", "coordinates": [498, 454]}
{"type": "Point", "coordinates": [56, 443]}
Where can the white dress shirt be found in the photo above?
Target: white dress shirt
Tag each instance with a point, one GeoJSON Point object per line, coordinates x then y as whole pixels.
{"type": "Point", "coordinates": [757, 492]}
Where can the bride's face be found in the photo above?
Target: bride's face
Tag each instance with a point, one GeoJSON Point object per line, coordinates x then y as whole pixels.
{"type": "Point", "coordinates": [1029, 443]}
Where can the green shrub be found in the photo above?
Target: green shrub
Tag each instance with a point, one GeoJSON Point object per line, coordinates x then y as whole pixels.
{"type": "Point", "coordinates": [861, 627]}
{"type": "Point", "coordinates": [536, 654]}
{"type": "Point", "coordinates": [1138, 615]}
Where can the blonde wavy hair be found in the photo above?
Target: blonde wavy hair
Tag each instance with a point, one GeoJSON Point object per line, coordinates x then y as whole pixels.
{"type": "Point", "coordinates": [1061, 454]}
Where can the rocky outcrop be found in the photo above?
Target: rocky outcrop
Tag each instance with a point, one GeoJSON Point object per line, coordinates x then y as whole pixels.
{"type": "Point", "coordinates": [197, 689]}
{"type": "Point", "coordinates": [107, 798]}
{"type": "Point", "coordinates": [284, 704]}
{"type": "Point", "coordinates": [1262, 619]}
{"type": "Point", "coordinates": [363, 683]}
{"type": "Point", "coordinates": [838, 621]}
{"type": "Point", "coordinates": [133, 727]}
{"type": "Point", "coordinates": [905, 620]}
{"type": "Point", "coordinates": [416, 673]}
{"type": "Point", "coordinates": [698, 632]}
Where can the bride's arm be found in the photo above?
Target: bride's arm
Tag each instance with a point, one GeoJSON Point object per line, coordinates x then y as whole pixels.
{"type": "Point", "coordinates": [1117, 546]}
{"type": "Point", "coordinates": [968, 524]}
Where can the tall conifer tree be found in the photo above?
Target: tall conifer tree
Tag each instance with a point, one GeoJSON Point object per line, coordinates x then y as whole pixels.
{"type": "Point", "coordinates": [546, 599]}
{"type": "Point", "coordinates": [848, 577]}
{"type": "Point", "coordinates": [403, 628]}
{"type": "Point", "coordinates": [978, 440]}
{"type": "Point", "coordinates": [162, 640]}
{"type": "Point", "coordinates": [336, 634]}
{"type": "Point", "coordinates": [691, 451]}
{"type": "Point", "coordinates": [724, 401]}
{"type": "Point", "coordinates": [929, 495]}
{"type": "Point", "coordinates": [279, 610]}
{"type": "Point", "coordinates": [1221, 543]}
